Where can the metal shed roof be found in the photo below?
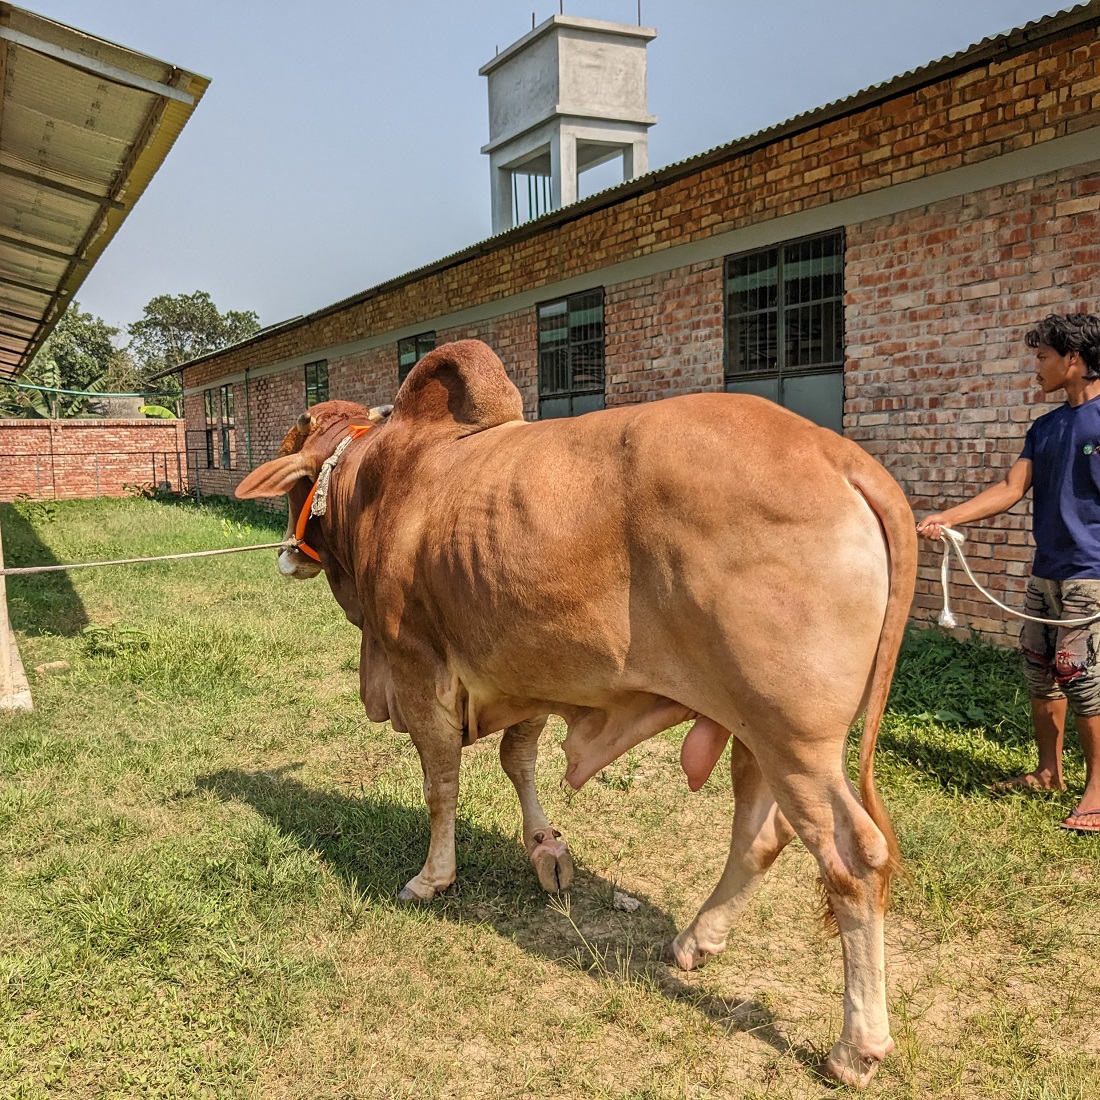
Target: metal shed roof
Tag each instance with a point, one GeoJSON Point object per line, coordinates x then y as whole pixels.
{"type": "Point", "coordinates": [84, 125]}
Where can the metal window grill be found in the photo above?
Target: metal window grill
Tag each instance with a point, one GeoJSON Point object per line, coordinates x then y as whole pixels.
{"type": "Point", "coordinates": [214, 410]}
{"type": "Point", "coordinates": [785, 308]}
{"type": "Point", "coordinates": [571, 355]}
{"type": "Point", "coordinates": [218, 413]}
{"type": "Point", "coordinates": [410, 350]}
{"type": "Point", "coordinates": [316, 382]}
{"type": "Point", "coordinates": [226, 427]}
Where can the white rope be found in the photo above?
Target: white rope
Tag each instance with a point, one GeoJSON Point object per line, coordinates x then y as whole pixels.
{"type": "Point", "coordinates": [319, 505]}
{"type": "Point", "coordinates": [953, 540]}
{"type": "Point", "coordinates": [285, 545]}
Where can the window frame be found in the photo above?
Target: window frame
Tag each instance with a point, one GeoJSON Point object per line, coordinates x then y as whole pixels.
{"type": "Point", "coordinates": [318, 386]}
{"type": "Point", "coordinates": [781, 311]}
{"type": "Point", "coordinates": [573, 393]}
{"type": "Point", "coordinates": [228, 424]}
{"type": "Point", "coordinates": [210, 422]}
{"type": "Point", "coordinates": [219, 422]}
{"type": "Point", "coordinates": [418, 348]}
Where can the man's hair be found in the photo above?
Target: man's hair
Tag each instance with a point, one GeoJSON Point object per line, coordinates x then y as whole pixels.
{"type": "Point", "coordinates": [1079, 332]}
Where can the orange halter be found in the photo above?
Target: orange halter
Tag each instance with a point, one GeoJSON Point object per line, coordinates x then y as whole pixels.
{"type": "Point", "coordinates": [354, 432]}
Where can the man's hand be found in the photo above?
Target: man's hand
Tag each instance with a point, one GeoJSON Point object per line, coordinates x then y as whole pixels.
{"type": "Point", "coordinates": [931, 526]}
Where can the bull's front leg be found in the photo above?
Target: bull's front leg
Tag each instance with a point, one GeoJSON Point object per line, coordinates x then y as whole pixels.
{"type": "Point", "coordinates": [549, 853]}
{"type": "Point", "coordinates": [440, 750]}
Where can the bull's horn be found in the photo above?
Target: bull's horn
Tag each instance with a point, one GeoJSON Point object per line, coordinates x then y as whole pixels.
{"type": "Point", "coordinates": [379, 413]}
{"type": "Point", "coordinates": [305, 424]}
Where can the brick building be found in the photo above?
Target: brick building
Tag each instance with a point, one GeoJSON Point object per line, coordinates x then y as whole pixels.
{"type": "Point", "coordinates": [872, 264]}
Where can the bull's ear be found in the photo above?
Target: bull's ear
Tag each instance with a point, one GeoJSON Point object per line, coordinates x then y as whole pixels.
{"type": "Point", "coordinates": [379, 413]}
{"type": "Point", "coordinates": [277, 477]}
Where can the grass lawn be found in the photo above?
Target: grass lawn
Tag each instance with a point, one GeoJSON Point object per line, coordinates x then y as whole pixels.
{"type": "Point", "coordinates": [203, 838]}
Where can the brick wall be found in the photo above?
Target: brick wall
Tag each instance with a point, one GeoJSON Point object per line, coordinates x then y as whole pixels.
{"type": "Point", "coordinates": [369, 378]}
{"type": "Point", "coordinates": [76, 459]}
{"type": "Point", "coordinates": [939, 385]}
{"type": "Point", "coordinates": [664, 335]}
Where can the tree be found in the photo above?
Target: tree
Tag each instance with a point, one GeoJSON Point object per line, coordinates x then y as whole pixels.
{"type": "Point", "coordinates": [122, 374]}
{"type": "Point", "coordinates": [75, 356]}
{"type": "Point", "coordinates": [177, 327]}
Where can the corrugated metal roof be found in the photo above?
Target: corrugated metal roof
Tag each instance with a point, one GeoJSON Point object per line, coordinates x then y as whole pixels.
{"type": "Point", "coordinates": [1063, 22]}
{"type": "Point", "coordinates": [84, 124]}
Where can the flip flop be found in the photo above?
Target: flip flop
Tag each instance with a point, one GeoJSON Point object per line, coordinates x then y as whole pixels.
{"type": "Point", "coordinates": [1086, 821]}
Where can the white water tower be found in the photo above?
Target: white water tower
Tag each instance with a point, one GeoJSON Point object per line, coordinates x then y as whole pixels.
{"type": "Point", "coordinates": [569, 95]}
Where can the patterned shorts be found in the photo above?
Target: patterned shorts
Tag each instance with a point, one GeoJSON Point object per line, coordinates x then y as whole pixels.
{"type": "Point", "coordinates": [1061, 662]}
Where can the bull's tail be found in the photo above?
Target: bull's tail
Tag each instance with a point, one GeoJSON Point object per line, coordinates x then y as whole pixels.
{"type": "Point", "coordinates": [888, 503]}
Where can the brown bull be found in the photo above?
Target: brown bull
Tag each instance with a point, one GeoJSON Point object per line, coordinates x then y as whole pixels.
{"type": "Point", "coordinates": [709, 557]}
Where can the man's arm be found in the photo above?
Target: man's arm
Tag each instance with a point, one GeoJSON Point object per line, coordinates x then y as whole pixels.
{"type": "Point", "coordinates": [990, 502]}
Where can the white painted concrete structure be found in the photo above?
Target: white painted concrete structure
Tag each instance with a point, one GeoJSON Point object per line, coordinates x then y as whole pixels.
{"type": "Point", "coordinates": [568, 96]}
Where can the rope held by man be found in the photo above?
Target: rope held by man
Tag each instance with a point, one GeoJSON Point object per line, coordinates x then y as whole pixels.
{"type": "Point", "coordinates": [953, 540]}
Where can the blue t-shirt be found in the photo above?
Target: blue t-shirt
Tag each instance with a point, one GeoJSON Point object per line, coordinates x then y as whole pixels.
{"type": "Point", "coordinates": [1064, 449]}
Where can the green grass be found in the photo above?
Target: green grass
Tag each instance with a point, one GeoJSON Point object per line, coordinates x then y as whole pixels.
{"type": "Point", "coordinates": [202, 839]}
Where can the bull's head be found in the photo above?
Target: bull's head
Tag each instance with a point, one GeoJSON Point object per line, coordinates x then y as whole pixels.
{"type": "Point", "coordinates": [313, 439]}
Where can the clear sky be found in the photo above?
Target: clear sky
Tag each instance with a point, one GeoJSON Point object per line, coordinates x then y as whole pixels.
{"type": "Point", "coordinates": [339, 142]}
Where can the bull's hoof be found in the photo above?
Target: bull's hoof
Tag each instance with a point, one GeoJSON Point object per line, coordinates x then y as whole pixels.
{"type": "Point", "coordinates": [416, 889]}
{"type": "Point", "coordinates": [684, 956]}
{"type": "Point", "coordinates": [552, 862]}
{"type": "Point", "coordinates": [846, 1065]}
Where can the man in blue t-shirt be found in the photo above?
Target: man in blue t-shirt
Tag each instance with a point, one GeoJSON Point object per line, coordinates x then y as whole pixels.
{"type": "Point", "coordinates": [1061, 462]}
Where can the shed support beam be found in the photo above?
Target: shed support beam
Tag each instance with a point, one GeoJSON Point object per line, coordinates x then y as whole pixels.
{"type": "Point", "coordinates": [40, 249]}
{"type": "Point", "coordinates": [55, 185]}
{"type": "Point", "coordinates": [47, 291]}
{"type": "Point", "coordinates": [93, 65]}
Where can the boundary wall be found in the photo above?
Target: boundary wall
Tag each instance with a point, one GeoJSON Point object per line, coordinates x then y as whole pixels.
{"type": "Point", "coordinates": [77, 459]}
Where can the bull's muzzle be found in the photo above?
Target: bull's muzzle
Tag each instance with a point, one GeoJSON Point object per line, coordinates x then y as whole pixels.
{"type": "Point", "coordinates": [298, 566]}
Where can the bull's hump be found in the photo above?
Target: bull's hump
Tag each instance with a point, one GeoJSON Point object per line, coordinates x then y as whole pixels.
{"type": "Point", "coordinates": [461, 385]}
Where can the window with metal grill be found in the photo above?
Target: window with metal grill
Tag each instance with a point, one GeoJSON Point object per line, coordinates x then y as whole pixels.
{"type": "Point", "coordinates": [221, 450]}
{"type": "Point", "coordinates": [316, 382]}
{"type": "Point", "coordinates": [210, 416]}
{"type": "Point", "coordinates": [227, 425]}
{"type": "Point", "coordinates": [785, 326]}
{"type": "Point", "coordinates": [410, 350]}
{"type": "Point", "coordinates": [571, 355]}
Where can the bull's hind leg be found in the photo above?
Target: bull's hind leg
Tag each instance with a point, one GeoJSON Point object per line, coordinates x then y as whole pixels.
{"type": "Point", "coordinates": [760, 833]}
{"type": "Point", "coordinates": [855, 865]}
{"type": "Point", "coordinates": [549, 853]}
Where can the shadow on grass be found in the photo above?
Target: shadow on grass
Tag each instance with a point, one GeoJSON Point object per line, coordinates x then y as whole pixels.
{"type": "Point", "coordinates": [956, 707]}
{"type": "Point", "coordinates": [376, 845]}
{"type": "Point", "coordinates": [39, 603]}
